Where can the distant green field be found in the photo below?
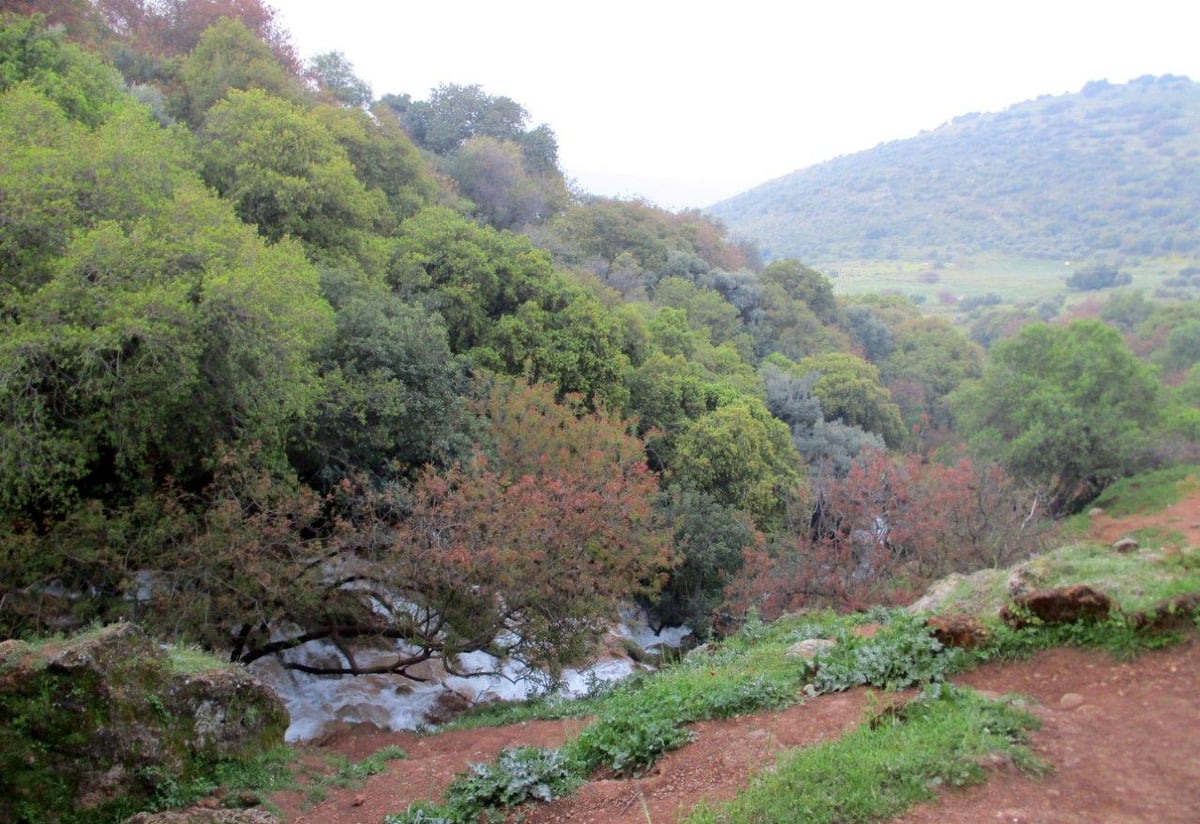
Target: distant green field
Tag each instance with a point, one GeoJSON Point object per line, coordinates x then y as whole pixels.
{"type": "Point", "coordinates": [1017, 280]}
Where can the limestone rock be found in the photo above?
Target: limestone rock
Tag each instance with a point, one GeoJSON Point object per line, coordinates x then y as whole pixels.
{"type": "Point", "coordinates": [1021, 580]}
{"type": "Point", "coordinates": [106, 717]}
{"type": "Point", "coordinates": [1171, 615]}
{"type": "Point", "coordinates": [810, 648]}
{"type": "Point", "coordinates": [1070, 701]}
{"type": "Point", "coordinates": [936, 594]}
{"type": "Point", "coordinates": [1126, 545]}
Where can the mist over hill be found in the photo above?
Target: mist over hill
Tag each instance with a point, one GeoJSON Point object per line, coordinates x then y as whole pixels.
{"type": "Point", "coordinates": [1113, 170]}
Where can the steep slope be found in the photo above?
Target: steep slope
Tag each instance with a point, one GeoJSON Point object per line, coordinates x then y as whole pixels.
{"type": "Point", "coordinates": [1113, 169]}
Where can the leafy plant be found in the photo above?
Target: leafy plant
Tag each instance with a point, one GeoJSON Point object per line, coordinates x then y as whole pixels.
{"type": "Point", "coordinates": [900, 655]}
{"type": "Point", "coordinates": [628, 743]}
{"type": "Point", "coordinates": [517, 775]}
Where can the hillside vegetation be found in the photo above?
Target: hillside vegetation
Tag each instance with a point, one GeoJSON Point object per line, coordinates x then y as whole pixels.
{"type": "Point", "coordinates": [284, 362]}
{"type": "Point", "coordinates": [1111, 170]}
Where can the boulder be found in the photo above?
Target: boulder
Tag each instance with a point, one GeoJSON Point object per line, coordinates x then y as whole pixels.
{"type": "Point", "coordinates": [810, 648]}
{"type": "Point", "coordinates": [957, 631]}
{"type": "Point", "coordinates": [1062, 605]}
{"type": "Point", "coordinates": [1126, 544]}
{"type": "Point", "coordinates": [937, 594]}
{"type": "Point", "coordinates": [106, 718]}
{"type": "Point", "coordinates": [1022, 579]}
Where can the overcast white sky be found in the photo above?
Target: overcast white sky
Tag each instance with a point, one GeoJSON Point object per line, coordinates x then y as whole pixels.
{"type": "Point", "coordinates": [686, 103]}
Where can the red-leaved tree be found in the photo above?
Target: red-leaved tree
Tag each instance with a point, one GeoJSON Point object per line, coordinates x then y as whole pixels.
{"type": "Point", "coordinates": [527, 551]}
{"type": "Point", "coordinates": [890, 527]}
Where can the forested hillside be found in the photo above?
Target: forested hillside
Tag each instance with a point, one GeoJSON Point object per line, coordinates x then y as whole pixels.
{"type": "Point", "coordinates": [1112, 170]}
{"type": "Point", "coordinates": [282, 361]}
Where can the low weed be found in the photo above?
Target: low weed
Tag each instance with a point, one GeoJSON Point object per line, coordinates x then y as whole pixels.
{"type": "Point", "coordinates": [486, 790]}
{"type": "Point", "coordinates": [349, 773]}
{"type": "Point", "coordinates": [1115, 635]}
{"type": "Point", "coordinates": [882, 768]}
{"type": "Point", "coordinates": [628, 743]}
{"type": "Point", "coordinates": [901, 654]}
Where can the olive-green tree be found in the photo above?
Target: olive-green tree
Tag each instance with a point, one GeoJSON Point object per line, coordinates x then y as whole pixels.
{"type": "Point", "coordinates": [1068, 407]}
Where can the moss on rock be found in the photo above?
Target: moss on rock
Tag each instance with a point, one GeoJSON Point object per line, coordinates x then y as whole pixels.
{"type": "Point", "coordinates": [103, 724]}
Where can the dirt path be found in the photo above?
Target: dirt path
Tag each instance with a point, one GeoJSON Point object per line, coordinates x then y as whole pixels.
{"type": "Point", "coordinates": [1123, 739]}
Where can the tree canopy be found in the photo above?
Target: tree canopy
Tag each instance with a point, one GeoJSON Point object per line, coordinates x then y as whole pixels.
{"type": "Point", "coordinates": [1068, 407]}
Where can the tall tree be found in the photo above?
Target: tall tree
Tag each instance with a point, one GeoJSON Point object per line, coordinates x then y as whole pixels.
{"type": "Point", "coordinates": [229, 56]}
{"type": "Point", "coordinates": [334, 75]}
{"type": "Point", "coordinates": [850, 390]}
{"type": "Point", "coordinates": [285, 173]}
{"type": "Point", "coordinates": [1069, 407]}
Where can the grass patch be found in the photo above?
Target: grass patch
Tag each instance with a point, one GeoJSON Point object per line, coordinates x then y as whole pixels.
{"type": "Point", "coordinates": [1135, 581]}
{"type": "Point", "coordinates": [541, 708]}
{"type": "Point", "coordinates": [1149, 492]}
{"type": "Point", "coordinates": [881, 769]}
{"type": "Point", "coordinates": [189, 660]}
{"type": "Point", "coordinates": [349, 773]}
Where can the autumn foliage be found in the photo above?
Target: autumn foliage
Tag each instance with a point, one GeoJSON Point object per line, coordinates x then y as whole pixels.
{"type": "Point", "coordinates": [526, 551]}
{"type": "Point", "coordinates": [887, 529]}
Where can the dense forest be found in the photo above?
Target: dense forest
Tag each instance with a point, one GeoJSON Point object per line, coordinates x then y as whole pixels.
{"type": "Point", "coordinates": [1113, 170]}
{"type": "Point", "coordinates": [282, 360]}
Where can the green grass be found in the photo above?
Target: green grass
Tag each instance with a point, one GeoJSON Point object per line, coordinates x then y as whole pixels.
{"type": "Point", "coordinates": [880, 769]}
{"type": "Point", "coordinates": [1017, 280]}
{"type": "Point", "coordinates": [1135, 581]}
{"type": "Point", "coordinates": [873, 772]}
{"type": "Point", "coordinates": [189, 660]}
{"type": "Point", "coordinates": [1150, 492]}
{"type": "Point", "coordinates": [349, 773]}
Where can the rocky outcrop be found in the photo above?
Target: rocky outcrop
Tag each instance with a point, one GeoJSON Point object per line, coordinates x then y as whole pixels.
{"type": "Point", "coordinates": [1176, 614]}
{"type": "Point", "coordinates": [95, 722]}
{"type": "Point", "coordinates": [1062, 605]}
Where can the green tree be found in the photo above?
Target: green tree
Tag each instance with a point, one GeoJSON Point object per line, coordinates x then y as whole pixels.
{"type": "Point", "coordinates": [76, 81]}
{"type": "Point", "coordinates": [391, 395]}
{"type": "Point", "coordinates": [506, 194]}
{"type": "Point", "coordinates": [148, 348]}
{"type": "Point", "coordinates": [710, 540]}
{"type": "Point", "coordinates": [850, 390]}
{"type": "Point", "coordinates": [455, 113]}
{"type": "Point", "coordinates": [229, 56]}
{"type": "Point", "coordinates": [1067, 407]}
{"type": "Point", "coordinates": [285, 173]}
{"type": "Point", "coordinates": [744, 458]}
{"type": "Point", "coordinates": [334, 74]}
{"type": "Point", "coordinates": [39, 161]}
{"type": "Point", "coordinates": [807, 285]}
{"type": "Point", "coordinates": [929, 360]}
{"type": "Point", "coordinates": [707, 311]}
{"type": "Point", "coordinates": [383, 157]}
{"type": "Point", "coordinates": [471, 274]}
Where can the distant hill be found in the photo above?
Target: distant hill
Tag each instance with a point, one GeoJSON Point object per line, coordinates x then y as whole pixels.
{"type": "Point", "coordinates": [1112, 170]}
